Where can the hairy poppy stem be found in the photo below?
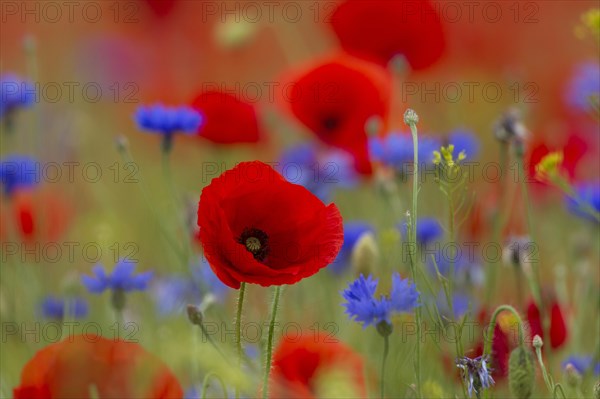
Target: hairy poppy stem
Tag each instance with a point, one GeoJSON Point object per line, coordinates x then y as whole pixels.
{"type": "Point", "coordinates": [411, 119]}
{"type": "Point", "coordinates": [265, 393]}
{"type": "Point", "coordinates": [238, 330]}
{"type": "Point", "coordinates": [487, 348]}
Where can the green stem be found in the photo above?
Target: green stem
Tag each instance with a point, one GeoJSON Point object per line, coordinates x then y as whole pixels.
{"type": "Point", "coordinates": [265, 392]}
{"type": "Point", "coordinates": [238, 330]}
{"type": "Point", "coordinates": [413, 248]}
{"type": "Point", "coordinates": [534, 279]}
{"type": "Point", "coordinates": [205, 384]}
{"type": "Point", "coordinates": [386, 348]}
{"type": "Point", "coordinates": [128, 158]}
{"type": "Point", "coordinates": [498, 223]}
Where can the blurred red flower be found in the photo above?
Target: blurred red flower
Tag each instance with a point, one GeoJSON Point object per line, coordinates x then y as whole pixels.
{"type": "Point", "coordinates": [573, 151]}
{"type": "Point", "coordinates": [227, 120]}
{"type": "Point", "coordinates": [256, 227]}
{"type": "Point", "coordinates": [558, 327]}
{"type": "Point", "coordinates": [117, 369]}
{"type": "Point", "coordinates": [377, 30]}
{"type": "Point", "coordinates": [335, 99]}
{"type": "Point", "coordinates": [298, 366]}
{"type": "Point", "coordinates": [35, 216]}
{"type": "Point", "coordinates": [161, 8]}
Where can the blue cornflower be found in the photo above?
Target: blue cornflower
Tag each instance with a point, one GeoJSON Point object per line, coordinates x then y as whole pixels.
{"type": "Point", "coordinates": [167, 121]}
{"type": "Point", "coordinates": [352, 232]}
{"type": "Point", "coordinates": [428, 230]}
{"type": "Point", "coordinates": [396, 150]}
{"type": "Point", "coordinates": [475, 373]}
{"type": "Point", "coordinates": [464, 140]}
{"type": "Point", "coordinates": [363, 307]}
{"type": "Point", "coordinates": [15, 93]}
{"type": "Point", "coordinates": [121, 279]}
{"type": "Point", "coordinates": [17, 172]}
{"type": "Point", "coordinates": [583, 364]}
{"type": "Point", "coordinates": [173, 293]}
{"type": "Point", "coordinates": [55, 308]}
{"type": "Point", "coordinates": [586, 201]}
{"type": "Point", "coordinates": [320, 172]}
{"type": "Point", "coordinates": [584, 84]}
{"type": "Point", "coordinates": [460, 304]}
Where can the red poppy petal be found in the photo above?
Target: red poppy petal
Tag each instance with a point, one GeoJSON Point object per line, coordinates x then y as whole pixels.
{"type": "Point", "coordinates": [558, 327]}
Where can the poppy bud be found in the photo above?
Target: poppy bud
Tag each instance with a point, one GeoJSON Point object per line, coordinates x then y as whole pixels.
{"type": "Point", "coordinates": [597, 390]}
{"type": "Point", "coordinates": [521, 373]}
{"type": "Point", "coordinates": [365, 255]}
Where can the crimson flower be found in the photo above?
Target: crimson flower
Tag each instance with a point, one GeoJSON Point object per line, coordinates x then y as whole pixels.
{"type": "Point", "coordinates": [558, 327]}
{"type": "Point", "coordinates": [256, 227]}
{"type": "Point", "coordinates": [335, 99]}
{"type": "Point", "coordinates": [301, 367]}
{"type": "Point", "coordinates": [78, 365]}
{"type": "Point", "coordinates": [35, 216]}
{"type": "Point", "coordinates": [227, 120]}
{"type": "Point", "coordinates": [377, 30]}
{"type": "Point", "coordinates": [573, 151]}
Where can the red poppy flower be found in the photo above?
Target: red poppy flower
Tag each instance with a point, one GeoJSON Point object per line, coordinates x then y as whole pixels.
{"type": "Point", "coordinates": [301, 367]}
{"type": "Point", "coordinates": [335, 100]}
{"type": "Point", "coordinates": [573, 151]}
{"type": "Point", "coordinates": [377, 30]}
{"type": "Point", "coordinates": [227, 120]}
{"type": "Point", "coordinates": [32, 216]}
{"type": "Point", "coordinates": [256, 227]}
{"type": "Point", "coordinates": [117, 369]}
{"type": "Point", "coordinates": [161, 8]}
{"type": "Point", "coordinates": [558, 327]}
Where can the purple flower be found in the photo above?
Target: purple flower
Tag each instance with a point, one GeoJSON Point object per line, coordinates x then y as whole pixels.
{"type": "Point", "coordinates": [362, 306]}
{"type": "Point", "coordinates": [428, 230]}
{"type": "Point", "coordinates": [55, 308]}
{"type": "Point", "coordinates": [121, 279]}
{"type": "Point", "coordinates": [584, 84]}
{"type": "Point", "coordinates": [17, 172]}
{"type": "Point", "coordinates": [15, 93]}
{"type": "Point", "coordinates": [168, 120]}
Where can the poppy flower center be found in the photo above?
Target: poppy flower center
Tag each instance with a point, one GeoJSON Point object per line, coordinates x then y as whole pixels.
{"type": "Point", "coordinates": [331, 122]}
{"type": "Point", "coordinates": [256, 242]}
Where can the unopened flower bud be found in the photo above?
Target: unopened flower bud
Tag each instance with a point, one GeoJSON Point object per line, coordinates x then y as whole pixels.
{"type": "Point", "coordinates": [521, 372]}
{"type": "Point", "coordinates": [537, 342]}
{"type": "Point", "coordinates": [597, 390]}
{"type": "Point", "coordinates": [411, 117]}
{"type": "Point", "coordinates": [365, 255]}
{"type": "Point", "coordinates": [572, 376]}
{"type": "Point", "coordinates": [194, 314]}
{"type": "Point", "coordinates": [384, 328]}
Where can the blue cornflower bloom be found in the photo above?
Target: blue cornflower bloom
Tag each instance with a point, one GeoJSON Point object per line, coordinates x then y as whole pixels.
{"type": "Point", "coordinates": [583, 364]}
{"type": "Point", "coordinates": [428, 230]}
{"type": "Point", "coordinates": [460, 304]}
{"type": "Point", "coordinates": [173, 293]}
{"type": "Point", "coordinates": [320, 172]}
{"type": "Point", "coordinates": [475, 373]}
{"type": "Point", "coordinates": [586, 201]}
{"type": "Point", "coordinates": [17, 172]}
{"type": "Point", "coordinates": [167, 121]}
{"type": "Point", "coordinates": [584, 84]}
{"type": "Point", "coordinates": [363, 307]}
{"type": "Point", "coordinates": [352, 232]}
{"type": "Point", "coordinates": [15, 93]}
{"type": "Point", "coordinates": [396, 150]}
{"type": "Point", "coordinates": [464, 140]}
{"type": "Point", "coordinates": [121, 279]}
{"type": "Point", "coordinates": [56, 308]}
